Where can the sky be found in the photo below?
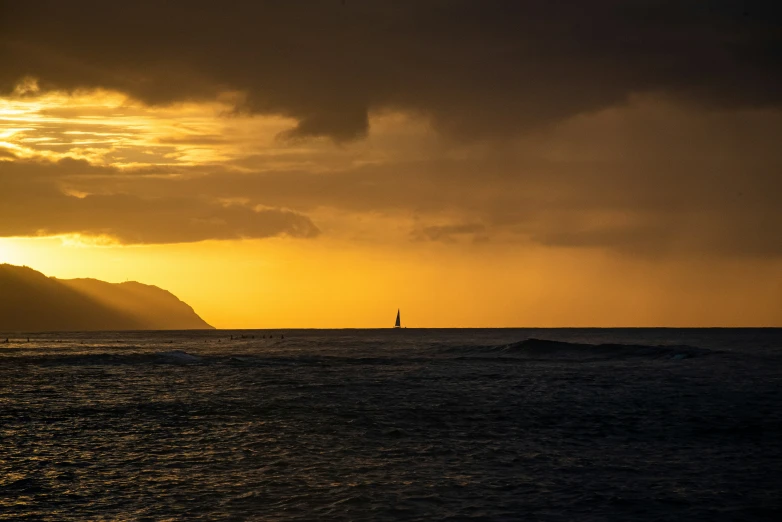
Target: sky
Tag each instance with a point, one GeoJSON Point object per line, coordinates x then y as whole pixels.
{"type": "Point", "coordinates": [472, 163]}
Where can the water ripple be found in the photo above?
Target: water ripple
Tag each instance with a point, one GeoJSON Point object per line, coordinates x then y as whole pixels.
{"type": "Point", "coordinates": [345, 428]}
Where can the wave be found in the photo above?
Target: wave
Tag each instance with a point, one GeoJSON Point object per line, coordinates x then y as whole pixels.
{"type": "Point", "coordinates": [529, 349]}
{"type": "Point", "coordinates": [105, 359]}
{"type": "Point", "coordinates": [543, 349]}
{"type": "Point", "coordinates": [179, 356]}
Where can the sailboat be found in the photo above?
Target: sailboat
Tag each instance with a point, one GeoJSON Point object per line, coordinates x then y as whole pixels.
{"type": "Point", "coordinates": [397, 324]}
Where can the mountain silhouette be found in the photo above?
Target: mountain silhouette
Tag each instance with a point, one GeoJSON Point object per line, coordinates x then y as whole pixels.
{"type": "Point", "coordinates": [30, 301]}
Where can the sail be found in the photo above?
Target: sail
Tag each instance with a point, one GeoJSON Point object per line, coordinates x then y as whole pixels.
{"type": "Point", "coordinates": [397, 324]}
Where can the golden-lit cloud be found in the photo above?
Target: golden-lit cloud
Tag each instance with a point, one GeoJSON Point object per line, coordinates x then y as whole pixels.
{"type": "Point", "coordinates": [109, 128]}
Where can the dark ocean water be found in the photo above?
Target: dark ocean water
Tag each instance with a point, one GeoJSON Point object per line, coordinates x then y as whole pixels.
{"type": "Point", "coordinates": [392, 425]}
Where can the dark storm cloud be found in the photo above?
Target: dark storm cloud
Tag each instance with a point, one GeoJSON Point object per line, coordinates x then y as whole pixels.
{"type": "Point", "coordinates": [478, 68]}
{"type": "Point", "coordinates": [34, 204]}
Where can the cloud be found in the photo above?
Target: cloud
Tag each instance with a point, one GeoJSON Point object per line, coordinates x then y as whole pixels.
{"type": "Point", "coordinates": [477, 69]}
{"type": "Point", "coordinates": [650, 178]}
{"type": "Point", "coordinates": [34, 204]}
{"type": "Point", "coordinates": [451, 233]}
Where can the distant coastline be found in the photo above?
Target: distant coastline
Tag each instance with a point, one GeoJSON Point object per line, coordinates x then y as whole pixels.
{"type": "Point", "coordinates": [33, 302]}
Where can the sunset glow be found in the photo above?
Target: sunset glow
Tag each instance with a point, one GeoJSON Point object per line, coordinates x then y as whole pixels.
{"type": "Point", "coordinates": [266, 203]}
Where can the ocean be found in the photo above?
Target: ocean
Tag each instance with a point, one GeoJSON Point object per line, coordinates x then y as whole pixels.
{"type": "Point", "coordinates": [408, 424]}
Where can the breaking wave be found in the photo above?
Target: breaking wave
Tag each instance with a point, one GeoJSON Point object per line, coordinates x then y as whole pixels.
{"type": "Point", "coordinates": [543, 349]}
{"type": "Point", "coordinates": [179, 356]}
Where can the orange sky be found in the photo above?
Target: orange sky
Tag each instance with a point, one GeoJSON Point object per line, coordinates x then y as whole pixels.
{"type": "Point", "coordinates": [275, 201]}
